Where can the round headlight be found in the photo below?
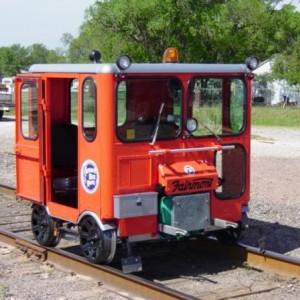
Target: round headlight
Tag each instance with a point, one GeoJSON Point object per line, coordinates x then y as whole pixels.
{"type": "Point", "coordinates": [191, 125]}
{"type": "Point", "coordinates": [123, 62]}
{"type": "Point", "coordinates": [252, 62]}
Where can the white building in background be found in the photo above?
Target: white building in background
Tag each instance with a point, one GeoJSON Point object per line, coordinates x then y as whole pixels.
{"type": "Point", "coordinates": [275, 92]}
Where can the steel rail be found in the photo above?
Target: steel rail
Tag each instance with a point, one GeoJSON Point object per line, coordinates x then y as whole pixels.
{"type": "Point", "coordinates": [272, 262]}
{"type": "Point", "coordinates": [111, 277]}
{"type": "Point", "coordinates": [7, 189]}
{"type": "Point", "coordinates": [269, 261]}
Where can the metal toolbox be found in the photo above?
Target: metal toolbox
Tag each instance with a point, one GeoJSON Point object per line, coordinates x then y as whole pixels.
{"type": "Point", "coordinates": [135, 205]}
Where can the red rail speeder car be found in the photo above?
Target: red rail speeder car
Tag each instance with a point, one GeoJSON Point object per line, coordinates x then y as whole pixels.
{"type": "Point", "coordinates": [133, 152]}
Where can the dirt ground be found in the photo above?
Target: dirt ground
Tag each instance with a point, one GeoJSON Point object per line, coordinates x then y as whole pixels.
{"type": "Point", "coordinates": [275, 189]}
{"type": "Point", "coordinates": [275, 164]}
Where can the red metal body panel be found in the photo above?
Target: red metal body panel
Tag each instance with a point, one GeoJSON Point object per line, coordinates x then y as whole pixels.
{"type": "Point", "coordinates": [118, 167]}
{"type": "Point", "coordinates": [138, 226]}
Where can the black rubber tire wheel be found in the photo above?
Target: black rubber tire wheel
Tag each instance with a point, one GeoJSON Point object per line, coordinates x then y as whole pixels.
{"type": "Point", "coordinates": [97, 246]}
{"type": "Point", "coordinates": [43, 227]}
{"type": "Point", "coordinates": [1, 114]}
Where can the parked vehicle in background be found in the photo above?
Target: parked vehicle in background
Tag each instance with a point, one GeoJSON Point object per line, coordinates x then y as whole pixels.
{"type": "Point", "coordinates": [7, 99]}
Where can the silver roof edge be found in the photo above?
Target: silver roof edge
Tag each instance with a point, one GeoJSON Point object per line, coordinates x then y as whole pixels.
{"type": "Point", "coordinates": [139, 68]}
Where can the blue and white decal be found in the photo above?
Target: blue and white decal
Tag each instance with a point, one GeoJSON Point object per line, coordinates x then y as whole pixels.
{"type": "Point", "coordinates": [89, 176]}
{"type": "Point", "coordinates": [189, 170]}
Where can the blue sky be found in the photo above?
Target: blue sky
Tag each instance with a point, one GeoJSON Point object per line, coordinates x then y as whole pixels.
{"type": "Point", "coordinates": [27, 22]}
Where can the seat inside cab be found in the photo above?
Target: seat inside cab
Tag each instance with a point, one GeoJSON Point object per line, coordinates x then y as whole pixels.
{"type": "Point", "coordinates": [64, 143]}
{"type": "Point", "coordinates": [64, 157]}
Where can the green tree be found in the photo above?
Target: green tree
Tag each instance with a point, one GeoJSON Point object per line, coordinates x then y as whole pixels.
{"type": "Point", "coordinates": [56, 56]}
{"type": "Point", "coordinates": [13, 59]}
{"type": "Point", "coordinates": [16, 58]}
{"type": "Point", "coordinates": [37, 53]}
{"type": "Point", "coordinates": [144, 29]}
{"type": "Point", "coordinates": [287, 60]}
{"type": "Point", "coordinates": [203, 31]}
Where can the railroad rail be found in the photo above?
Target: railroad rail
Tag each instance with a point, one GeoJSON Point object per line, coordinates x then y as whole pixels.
{"type": "Point", "coordinates": [109, 276]}
{"type": "Point", "coordinates": [253, 257]}
{"type": "Point", "coordinates": [250, 256]}
{"type": "Point", "coordinates": [7, 189]}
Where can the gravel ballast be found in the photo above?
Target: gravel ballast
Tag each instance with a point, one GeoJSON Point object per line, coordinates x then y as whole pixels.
{"type": "Point", "coordinates": [274, 217]}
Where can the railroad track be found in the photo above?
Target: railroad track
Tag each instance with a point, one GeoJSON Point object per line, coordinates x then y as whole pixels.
{"type": "Point", "coordinates": [8, 189]}
{"type": "Point", "coordinates": [148, 287]}
{"type": "Point", "coordinates": [109, 276]}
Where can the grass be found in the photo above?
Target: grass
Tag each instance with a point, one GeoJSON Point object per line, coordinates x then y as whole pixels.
{"type": "Point", "coordinates": [276, 116]}
{"type": "Point", "coordinates": [272, 116]}
{"type": "Point", "coordinates": [4, 290]}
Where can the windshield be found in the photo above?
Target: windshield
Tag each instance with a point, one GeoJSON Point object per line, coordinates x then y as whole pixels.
{"type": "Point", "coordinates": [218, 105]}
{"type": "Point", "coordinates": [149, 109]}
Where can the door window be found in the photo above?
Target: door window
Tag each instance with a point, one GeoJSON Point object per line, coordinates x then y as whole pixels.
{"type": "Point", "coordinates": [29, 110]}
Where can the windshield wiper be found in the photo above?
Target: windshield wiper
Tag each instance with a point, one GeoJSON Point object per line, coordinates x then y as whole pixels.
{"type": "Point", "coordinates": [211, 131]}
{"type": "Point", "coordinates": [157, 124]}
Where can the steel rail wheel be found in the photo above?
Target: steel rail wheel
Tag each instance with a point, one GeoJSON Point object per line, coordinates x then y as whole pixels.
{"type": "Point", "coordinates": [97, 246]}
{"type": "Point", "coordinates": [43, 227]}
{"type": "Point", "coordinates": [233, 235]}
{"type": "Point", "coordinates": [229, 236]}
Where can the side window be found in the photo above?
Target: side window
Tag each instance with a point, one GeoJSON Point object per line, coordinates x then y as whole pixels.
{"type": "Point", "coordinates": [29, 110]}
{"type": "Point", "coordinates": [121, 94]}
{"type": "Point", "coordinates": [237, 105]}
{"type": "Point", "coordinates": [89, 109]}
{"type": "Point", "coordinates": [73, 102]}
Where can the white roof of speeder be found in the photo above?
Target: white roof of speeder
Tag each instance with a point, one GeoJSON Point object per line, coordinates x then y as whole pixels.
{"type": "Point", "coordinates": [140, 68]}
